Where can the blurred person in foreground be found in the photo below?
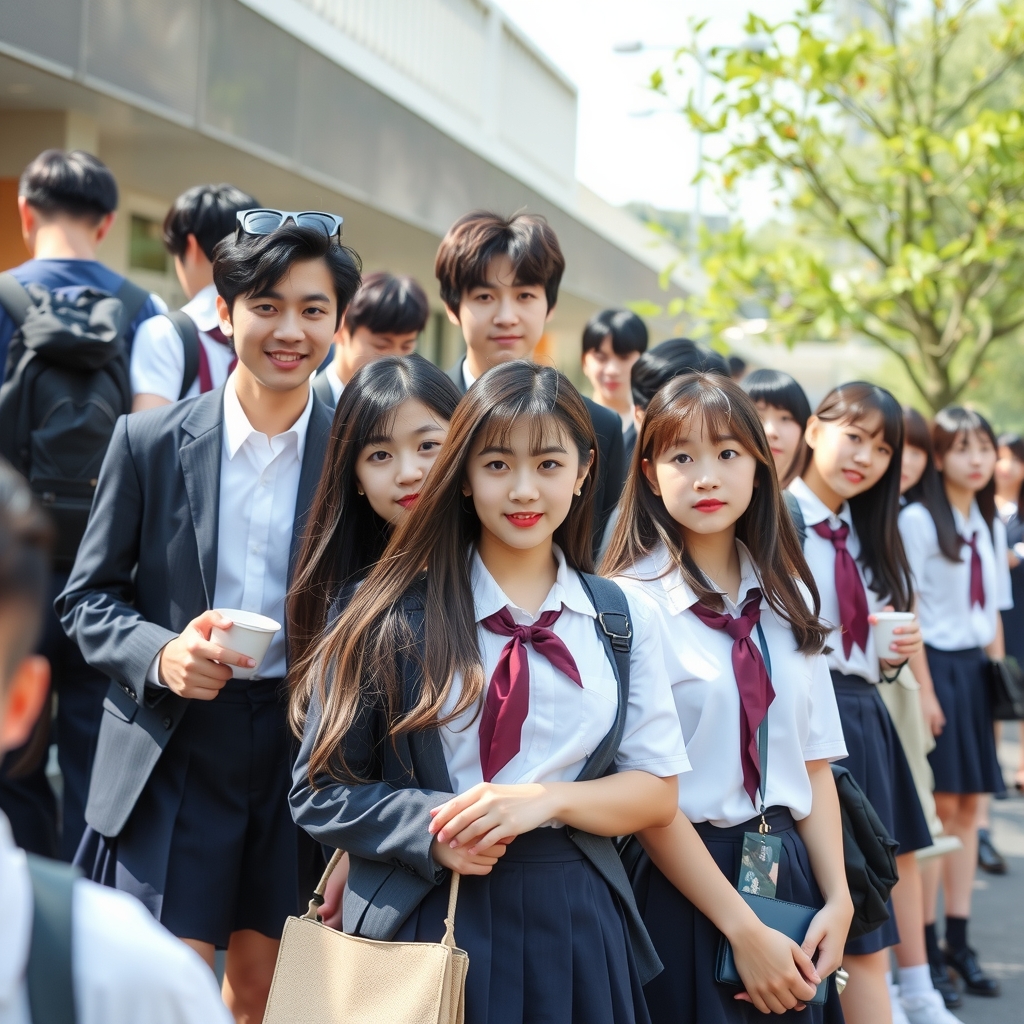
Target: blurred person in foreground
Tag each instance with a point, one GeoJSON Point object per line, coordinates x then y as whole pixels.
{"type": "Point", "coordinates": [123, 967]}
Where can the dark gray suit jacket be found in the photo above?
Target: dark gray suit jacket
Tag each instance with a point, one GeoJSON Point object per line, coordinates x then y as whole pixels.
{"type": "Point", "coordinates": [382, 822]}
{"type": "Point", "coordinates": [146, 567]}
{"type": "Point", "coordinates": [611, 456]}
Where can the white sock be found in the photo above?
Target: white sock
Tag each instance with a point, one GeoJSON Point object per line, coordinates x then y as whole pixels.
{"type": "Point", "coordinates": [915, 981]}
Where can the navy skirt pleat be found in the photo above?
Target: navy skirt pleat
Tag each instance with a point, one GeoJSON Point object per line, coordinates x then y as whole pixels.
{"type": "Point", "coordinates": [964, 759]}
{"type": "Point", "coordinates": [687, 942]}
{"type": "Point", "coordinates": [546, 938]}
{"type": "Point", "coordinates": [879, 766]}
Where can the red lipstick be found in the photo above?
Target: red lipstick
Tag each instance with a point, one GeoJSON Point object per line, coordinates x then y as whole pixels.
{"type": "Point", "coordinates": [524, 520]}
{"type": "Point", "coordinates": [709, 505]}
{"type": "Point", "coordinates": [409, 499]}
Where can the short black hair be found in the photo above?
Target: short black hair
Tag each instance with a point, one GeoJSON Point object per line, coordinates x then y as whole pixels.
{"type": "Point", "coordinates": [672, 358]}
{"type": "Point", "coordinates": [386, 304]}
{"type": "Point", "coordinates": [737, 366]}
{"type": "Point", "coordinates": [74, 183]}
{"type": "Point", "coordinates": [26, 539]}
{"type": "Point", "coordinates": [627, 331]}
{"type": "Point", "coordinates": [206, 211]}
{"type": "Point", "coordinates": [253, 264]}
{"type": "Point", "coordinates": [477, 238]}
{"type": "Point", "coordinates": [778, 389]}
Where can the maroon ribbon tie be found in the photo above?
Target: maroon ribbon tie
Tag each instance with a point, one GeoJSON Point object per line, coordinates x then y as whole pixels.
{"type": "Point", "coordinates": [508, 693]}
{"type": "Point", "coordinates": [853, 602]}
{"type": "Point", "coordinates": [752, 681]}
{"type": "Point", "coordinates": [205, 375]}
{"type": "Point", "coordinates": [977, 580]}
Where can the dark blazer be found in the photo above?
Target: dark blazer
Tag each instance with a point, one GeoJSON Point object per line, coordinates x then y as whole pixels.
{"type": "Point", "coordinates": [611, 457]}
{"type": "Point", "coordinates": [382, 822]}
{"type": "Point", "coordinates": [323, 390]}
{"type": "Point", "coordinates": [146, 567]}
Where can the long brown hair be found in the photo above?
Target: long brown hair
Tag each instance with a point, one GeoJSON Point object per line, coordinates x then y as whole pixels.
{"type": "Point", "coordinates": [875, 512]}
{"type": "Point", "coordinates": [358, 660]}
{"type": "Point", "coordinates": [344, 536]}
{"type": "Point", "coordinates": [724, 410]}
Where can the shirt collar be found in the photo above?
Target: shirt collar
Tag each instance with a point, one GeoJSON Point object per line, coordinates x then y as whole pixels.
{"type": "Point", "coordinates": [467, 378]}
{"type": "Point", "coordinates": [337, 386]}
{"type": "Point", "coordinates": [202, 308]}
{"type": "Point", "coordinates": [238, 429]}
{"type": "Point", "coordinates": [568, 591]}
{"type": "Point", "coordinates": [660, 566]}
{"type": "Point", "coordinates": [814, 509]}
{"type": "Point", "coordinates": [15, 915]}
{"type": "Point", "coordinates": [974, 520]}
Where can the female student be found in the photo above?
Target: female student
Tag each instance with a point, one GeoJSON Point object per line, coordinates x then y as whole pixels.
{"type": "Point", "coordinates": [848, 501]}
{"type": "Point", "coordinates": [957, 549]}
{"type": "Point", "coordinates": [705, 534]}
{"type": "Point", "coordinates": [784, 411]}
{"type": "Point", "coordinates": [464, 718]}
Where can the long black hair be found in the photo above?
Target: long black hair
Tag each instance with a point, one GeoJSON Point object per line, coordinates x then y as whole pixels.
{"type": "Point", "coordinates": [875, 513]}
{"type": "Point", "coordinates": [345, 537]}
{"type": "Point", "coordinates": [779, 390]}
{"type": "Point", "coordinates": [1016, 445]}
{"type": "Point", "coordinates": [949, 424]}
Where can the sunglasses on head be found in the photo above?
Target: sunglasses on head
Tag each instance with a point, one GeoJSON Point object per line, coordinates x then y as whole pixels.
{"type": "Point", "coordinates": [266, 221]}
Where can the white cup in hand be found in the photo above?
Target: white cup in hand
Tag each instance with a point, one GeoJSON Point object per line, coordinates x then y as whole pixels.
{"type": "Point", "coordinates": [249, 633]}
{"type": "Point", "coordinates": [884, 629]}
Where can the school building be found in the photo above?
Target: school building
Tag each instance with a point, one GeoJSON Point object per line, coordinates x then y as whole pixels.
{"type": "Point", "coordinates": [401, 115]}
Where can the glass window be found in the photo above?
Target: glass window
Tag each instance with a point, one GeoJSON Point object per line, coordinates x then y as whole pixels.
{"type": "Point", "coordinates": [146, 248]}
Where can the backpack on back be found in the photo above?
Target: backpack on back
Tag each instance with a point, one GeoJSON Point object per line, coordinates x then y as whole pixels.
{"type": "Point", "coordinates": [65, 383]}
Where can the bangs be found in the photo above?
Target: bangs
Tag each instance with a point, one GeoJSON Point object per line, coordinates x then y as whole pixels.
{"type": "Point", "coordinates": [548, 430]}
{"type": "Point", "coordinates": [708, 408]}
{"type": "Point", "coordinates": [955, 422]}
{"type": "Point", "coordinates": [857, 402]}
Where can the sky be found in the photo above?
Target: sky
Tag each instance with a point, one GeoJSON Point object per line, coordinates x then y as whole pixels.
{"type": "Point", "coordinates": [621, 156]}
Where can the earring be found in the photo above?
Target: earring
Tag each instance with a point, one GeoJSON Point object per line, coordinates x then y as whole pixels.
{"type": "Point", "coordinates": [360, 491]}
{"type": "Point", "coordinates": [579, 492]}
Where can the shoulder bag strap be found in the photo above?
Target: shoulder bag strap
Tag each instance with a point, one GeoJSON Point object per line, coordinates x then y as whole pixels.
{"type": "Point", "coordinates": [762, 729]}
{"type": "Point", "coordinates": [14, 298]}
{"type": "Point", "coordinates": [189, 334]}
{"type": "Point", "coordinates": [49, 977]}
{"type": "Point", "coordinates": [615, 631]}
{"type": "Point", "coordinates": [133, 298]}
{"type": "Point", "coordinates": [796, 513]}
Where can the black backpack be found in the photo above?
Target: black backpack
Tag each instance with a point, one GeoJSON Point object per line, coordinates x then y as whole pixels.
{"type": "Point", "coordinates": [49, 974]}
{"type": "Point", "coordinates": [65, 383]}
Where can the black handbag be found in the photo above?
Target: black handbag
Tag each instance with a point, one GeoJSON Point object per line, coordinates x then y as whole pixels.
{"type": "Point", "coordinates": [869, 853]}
{"type": "Point", "coordinates": [1006, 689]}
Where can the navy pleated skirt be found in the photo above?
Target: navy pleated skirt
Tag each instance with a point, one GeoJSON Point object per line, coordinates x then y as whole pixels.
{"type": "Point", "coordinates": [210, 847]}
{"type": "Point", "coordinates": [687, 942]}
{"type": "Point", "coordinates": [546, 938]}
{"type": "Point", "coordinates": [964, 759]}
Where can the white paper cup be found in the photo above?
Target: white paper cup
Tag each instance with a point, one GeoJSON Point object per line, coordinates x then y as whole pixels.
{"type": "Point", "coordinates": [883, 628]}
{"type": "Point", "coordinates": [250, 633]}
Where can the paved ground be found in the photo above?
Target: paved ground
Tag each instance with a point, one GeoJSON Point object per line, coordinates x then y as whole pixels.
{"type": "Point", "coordinates": [997, 919]}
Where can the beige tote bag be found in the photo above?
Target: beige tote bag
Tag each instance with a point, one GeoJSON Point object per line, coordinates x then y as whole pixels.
{"type": "Point", "coordinates": [324, 976]}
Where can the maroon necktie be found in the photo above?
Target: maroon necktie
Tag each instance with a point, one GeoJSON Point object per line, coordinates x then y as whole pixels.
{"type": "Point", "coordinates": [752, 680]}
{"type": "Point", "coordinates": [977, 580]}
{"type": "Point", "coordinates": [853, 602]}
{"type": "Point", "coordinates": [508, 695]}
{"type": "Point", "coordinates": [205, 376]}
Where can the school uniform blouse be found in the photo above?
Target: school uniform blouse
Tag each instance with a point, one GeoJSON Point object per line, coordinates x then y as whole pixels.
{"type": "Point", "coordinates": [565, 722]}
{"type": "Point", "coordinates": [949, 621]}
{"type": "Point", "coordinates": [803, 720]}
{"type": "Point", "coordinates": [821, 557]}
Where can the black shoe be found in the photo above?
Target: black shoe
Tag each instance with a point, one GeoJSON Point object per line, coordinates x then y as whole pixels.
{"type": "Point", "coordinates": [965, 963]}
{"type": "Point", "coordinates": [946, 987]}
{"type": "Point", "coordinates": [989, 858]}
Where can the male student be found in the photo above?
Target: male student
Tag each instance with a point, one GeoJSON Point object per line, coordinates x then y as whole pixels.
{"type": "Point", "coordinates": [121, 966]}
{"type": "Point", "coordinates": [67, 203]}
{"type": "Point", "coordinates": [384, 319]}
{"type": "Point", "coordinates": [201, 506]}
{"type": "Point", "coordinates": [198, 219]}
{"type": "Point", "coordinates": [499, 281]}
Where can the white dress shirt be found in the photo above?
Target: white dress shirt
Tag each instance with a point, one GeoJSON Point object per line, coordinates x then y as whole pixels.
{"type": "Point", "coordinates": [803, 719]}
{"type": "Point", "coordinates": [566, 723]}
{"type": "Point", "coordinates": [467, 378]}
{"type": "Point", "coordinates": [949, 621]}
{"type": "Point", "coordinates": [126, 968]}
{"type": "Point", "coordinates": [259, 484]}
{"type": "Point", "coordinates": [821, 557]}
{"type": "Point", "coordinates": [334, 380]}
{"type": "Point", "coordinates": [158, 353]}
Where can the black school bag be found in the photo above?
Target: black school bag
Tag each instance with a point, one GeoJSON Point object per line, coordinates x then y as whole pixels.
{"type": "Point", "coordinates": [65, 383]}
{"type": "Point", "coordinates": [868, 849]}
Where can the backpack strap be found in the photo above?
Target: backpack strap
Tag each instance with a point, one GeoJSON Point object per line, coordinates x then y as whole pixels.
{"type": "Point", "coordinates": [189, 334]}
{"type": "Point", "coordinates": [796, 513]}
{"type": "Point", "coordinates": [615, 631]}
{"type": "Point", "coordinates": [14, 298]}
{"type": "Point", "coordinates": [49, 977]}
{"type": "Point", "coordinates": [133, 298]}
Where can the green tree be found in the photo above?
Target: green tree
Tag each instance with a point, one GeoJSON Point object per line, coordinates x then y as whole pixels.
{"type": "Point", "coordinates": [898, 151]}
